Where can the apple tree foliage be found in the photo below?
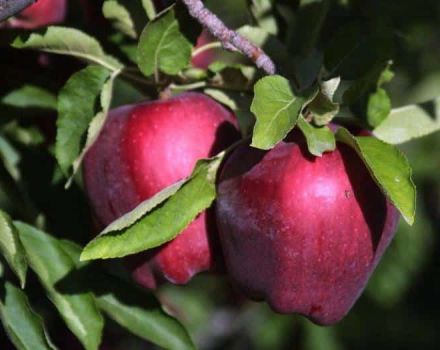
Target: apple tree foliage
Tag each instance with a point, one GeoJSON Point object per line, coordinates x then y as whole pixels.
{"type": "Point", "coordinates": [328, 69]}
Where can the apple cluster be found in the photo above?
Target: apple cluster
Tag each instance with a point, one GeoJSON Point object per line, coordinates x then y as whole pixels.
{"type": "Point", "coordinates": [302, 232]}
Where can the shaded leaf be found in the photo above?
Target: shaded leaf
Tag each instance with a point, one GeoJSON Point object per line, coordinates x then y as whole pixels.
{"type": "Point", "coordinates": [379, 107]}
{"type": "Point", "coordinates": [24, 327]}
{"type": "Point", "coordinates": [120, 17]}
{"type": "Point", "coordinates": [51, 263]}
{"type": "Point", "coordinates": [30, 96]}
{"type": "Point", "coordinates": [133, 308]}
{"type": "Point", "coordinates": [388, 167]}
{"type": "Point", "coordinates": [11, 248]}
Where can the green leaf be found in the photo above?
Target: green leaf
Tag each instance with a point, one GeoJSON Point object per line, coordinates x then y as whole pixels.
{"type": "Point", "coordinates": [10, 157]}
{"type": "Point", "coordinates": [264, 15]}
{"type": "Point", "coordinates": [120, 17]}
{"type": "Point", "coordinates": [323, 108]}
{"type": "Point", "coordinates": [68, 41]}
{"type": "Point", "coordinates": [276, 109]}
{"type": "Point", "coordinates": [24, 327]}
{"type": "Point", "coordinates": [319, 139]}
{"type": "Point", "coordinates": [11, 248]}
{"type": "Point", "coordinates": [388, 167]}
{"type": "Point", "coordinates": [30, 96]}
{"type": "Point", "coordinates": [410, 122]}
{"type": "Point", "coordinates": [379, 107]}
{"type": "Point", "coordinates": [97, 123]}
{"type": "Point", "coordinates": [51, 263]}
{"type": "Point", "coordinates": [149, 8]}
{"type": "Point", "coordinates": [134, 309]}
{"type": "Point", "coordinates": [76, 109]}
{"type": "Point", "coordinates": [162, 47]}
{"type": "Point", "coordinates": [150, 225]}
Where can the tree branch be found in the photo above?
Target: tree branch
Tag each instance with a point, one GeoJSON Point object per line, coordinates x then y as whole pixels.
{"type": "Point", "coordinates": [9, 8]}
{"type": "Point", "coordinates": [229, 38]}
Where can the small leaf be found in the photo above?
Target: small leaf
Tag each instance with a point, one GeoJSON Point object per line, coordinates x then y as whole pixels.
{"type": "Point", "coordinates": [133, 308]}
{"type": "Point", "coordinates": [51, 263]}
{"type": "Point", "coordinates": [276, 109]}
{"type": "Point", "coordinates": [68, 41]}
{"type": "Point", "coordinates": [10, 157]}
{"type": "Point", "coordinates": [150, 224]}
{"type": "Point", "coordinates": [162, 47]}
{"type": "Point", "coordinates": [30, 96]}
{"type": "Point", "coordinates": [388, 167]}
{"type": "Point", "coordinates": [120, 17]}
{"type": "Point", "coordinates": [379, 107]}
{"type": "Point", "coordinates": [149, 8]}
{"type": "Point", "coordinates": [24, 327]}
{"type": "Point", "coordinates": [410, 122]}
{"type": "Point", "coordinates": [11, 248]}
{"type": "Point", "coordinates": [76, 109]}
{"type": "Point", "coordinates": [319, 139]}
{"type": "Point", "coordinates": [323, 108]}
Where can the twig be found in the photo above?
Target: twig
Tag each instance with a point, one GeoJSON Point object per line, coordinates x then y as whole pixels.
{"type": "Point", "coordinates": [9, 8]}
{"type": "Point", "coordinates": [230, 39]}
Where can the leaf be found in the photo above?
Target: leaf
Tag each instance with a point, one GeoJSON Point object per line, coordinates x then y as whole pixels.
{"type": "Point", "coordinates": [68, 41]}
{"type": "Point", "coordinates": [319, 139]}
{"type": "Point", "coordinates": [388, 167]}
{"type": "Point", "coordinates": [159, 219]}
{"type": "Point", "coordinates": [276, 109]}
{"type": "Point", "coordinates": [24, 327]}
{"type": "Point", "coordinates": [11, 248]}
{"type": "Point", "coordinates": [149, 8]}
{"type": "Point", "coordinates": [162, 47]}
{"type": "Point", "coordinates": [379, 107]}
{"type": "Point", "coordinates": [410, 122]}
{"type": "Point", "coordinates": [323, 107]}
{"type": "Point", "coordinates": [76, 109]}
{"type": "Point", "coordinates": [28, 96]}
{"type": "Point", "coordinates": [96, 124]}
{"type": "Point", "coordinates": [10, 157]}
{"type": "Point", "coordinates": [120, 17]}
{"type": "Point", "coordinates": [51, 263]}
{"type": "Point", "coordinates": [134, 308]}
{"type": "Point", "coordinates": [264, 15]}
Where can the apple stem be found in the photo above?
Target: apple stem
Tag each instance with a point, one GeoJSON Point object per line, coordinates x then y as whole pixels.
{"type": "Point", "coordinates": [230, 39]}
{"type": "Point", "coordinates": [9, 8]}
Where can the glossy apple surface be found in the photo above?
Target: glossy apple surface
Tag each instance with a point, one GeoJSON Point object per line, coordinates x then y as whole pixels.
{"type": "Point", "coordinates": [303, 233]}
{"type": "Point", "coordinates": [145, 148]}
{"type": "Point", "coordinates": [41, 13]}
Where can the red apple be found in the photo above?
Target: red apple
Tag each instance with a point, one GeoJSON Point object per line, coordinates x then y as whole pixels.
{"type": "Point", "coordinates": [303, 233]}
{"type": "Point", "coordinates": [41, 13]}
{"type": "Point", "coordinates": [145, 148]}
{"type": "Point", "coordinates": [204, 58]}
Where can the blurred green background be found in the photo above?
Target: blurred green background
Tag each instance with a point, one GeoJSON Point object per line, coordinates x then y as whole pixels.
{"type": "Point", "coordinates": [400, 309]}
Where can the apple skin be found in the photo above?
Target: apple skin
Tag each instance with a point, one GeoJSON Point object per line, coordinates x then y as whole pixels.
{"type": "Point", "coordinates": [41, 13]}
{"type": "Point", "coordinates": [205, 58]}
{"type": "Point", "coordinates": [303, 233]}
{"type": "Point", "coordinates": [141, 150]}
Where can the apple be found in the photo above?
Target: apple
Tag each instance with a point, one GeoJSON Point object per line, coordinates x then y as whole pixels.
{"type": "Point", "coordinates": [204, 58]}
{"type": "Point", "coordinates": [302, 232]}
{"type": "Point", "coordinates": [41, 13]}
{"type": "Point", "coordinates": [143, 149]}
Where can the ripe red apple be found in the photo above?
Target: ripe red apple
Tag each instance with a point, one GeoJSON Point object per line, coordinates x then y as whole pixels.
{"type": "Point", "coordinates": [204, 58]}
{"type": "Point", "coordinates": [303, 233]}
{"type": "Point", "coordinates": [41, 13]}
{"type": "Point", "coordinates": [145, 148]}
